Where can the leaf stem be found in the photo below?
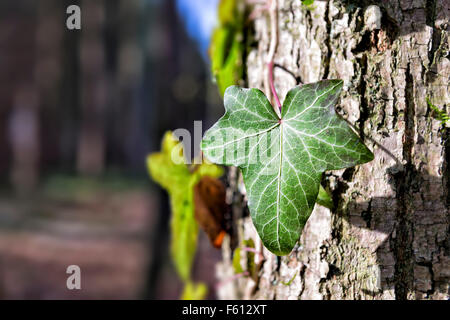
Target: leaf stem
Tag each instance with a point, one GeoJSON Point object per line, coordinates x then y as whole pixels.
{"type": "Point", "coordinates": [272, 86]}
{"type": "Point", "coordinates": [272, 48]}
{"type": "Point", "coordinates": [253, 250]}
{"type": "Point", "coordinates": [232, 278]}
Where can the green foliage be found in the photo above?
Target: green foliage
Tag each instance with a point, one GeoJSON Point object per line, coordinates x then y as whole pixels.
{"type": "Point", "coordinates": [440, 115]}
{"type": "Point", "coordinates": [324, 199]}
{"type": "Point", "coordinates": [237, 267]}
{"type": "Point", "coordinates": [251, 266]}
{"type": "Point", "coordinates": [250, 261]}
{"type": "Point", "coordinates": [194, 291]}
{"type": "Point", "coordinates": [168, 168]}
{"type": "Point", "coordinates": [227, 47]}
{"type": "Point", "coordinates": [308, 4]}
{"type": "Point", "coordinates": [282, 160]}
{"type": "Point", "coordinates": [291, 280]}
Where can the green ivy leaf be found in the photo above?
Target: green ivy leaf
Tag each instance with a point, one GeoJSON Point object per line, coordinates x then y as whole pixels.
{"type": "Point", "coordinates": [227, 47]}
{"type": "Point", "coordinates": [168, 168]}
{"type": "Point", "coordinates": [282, 160]}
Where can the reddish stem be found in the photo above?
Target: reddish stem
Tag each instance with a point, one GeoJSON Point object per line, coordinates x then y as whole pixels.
{"type": "Point", "coordinates": [272, 86]}
{"type": "Point", "coordinates": [234, 277]}
{"type": "Point", "coordinates": [253, 250]}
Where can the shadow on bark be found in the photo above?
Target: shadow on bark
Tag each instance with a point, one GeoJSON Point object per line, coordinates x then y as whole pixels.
{"type": "Point", "coordinates": [408, 231]}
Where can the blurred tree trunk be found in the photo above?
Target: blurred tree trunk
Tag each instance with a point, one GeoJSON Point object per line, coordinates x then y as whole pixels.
{"type": "Point", "coordinates": [23, 121]}
{"type": "Point", "coordinates": [91, 145]}
{"type": "Point", "coordinates": [388, 236]}
{"type": "Point", "coordinates": [48, 78]}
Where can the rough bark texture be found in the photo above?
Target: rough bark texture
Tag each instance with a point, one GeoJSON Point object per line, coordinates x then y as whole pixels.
{"type": "Point", "coordinates": [388, 236]}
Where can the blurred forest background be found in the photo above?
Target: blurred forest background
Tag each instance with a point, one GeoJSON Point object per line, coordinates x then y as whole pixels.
{"type": "Point", "coordinates": [79, 113]}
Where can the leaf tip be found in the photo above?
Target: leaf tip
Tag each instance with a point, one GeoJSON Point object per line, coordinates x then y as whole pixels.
{"type": "Point", "coordinates": [368, 156]}
{"type": "Point", "coordinates": [282, 250]}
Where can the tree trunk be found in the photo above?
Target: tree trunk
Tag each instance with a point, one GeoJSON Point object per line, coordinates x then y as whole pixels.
{"type": "Point", "coordinates": [388, 235]}
{"type": "Point", "coordinates": [91, 145]}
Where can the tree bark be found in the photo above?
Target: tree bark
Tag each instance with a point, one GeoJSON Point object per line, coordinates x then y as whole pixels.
{"type": "Point", "coordinates": [388, 235]}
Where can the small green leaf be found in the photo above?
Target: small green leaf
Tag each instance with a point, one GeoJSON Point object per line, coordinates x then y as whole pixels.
{"type": "Point", "coordinates": [227, 47]}
{"type": "Point", "coordinates": [251, 266]}
{"type": "Point", "coordinates": [440, 115]}
{"type": "Point", "coordinates": [250, 261]}
{"type": "Point", "coordinates": [291, 280]}
{"type": "Point", "coordinates": [282, 159]}
{"type": "Point", "coordinates": [237, 267]}
{"type": "Point", "coordinates": [168, 168]}
{"type": "Point", "coordinates": [194, 291]}
{"type": "Point", "coordinates": [324, 199]}
{"type": "Point", "coordinates": [307, 2]}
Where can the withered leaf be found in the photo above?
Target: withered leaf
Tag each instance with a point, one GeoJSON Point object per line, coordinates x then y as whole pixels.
{"type": "Point", "coordinates": [210, 208]}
